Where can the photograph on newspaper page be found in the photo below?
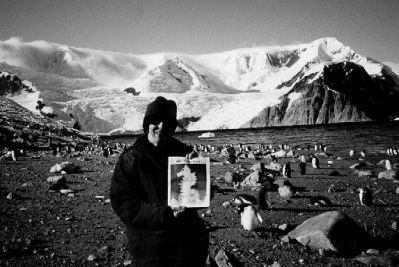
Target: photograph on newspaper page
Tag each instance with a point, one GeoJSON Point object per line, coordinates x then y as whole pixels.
{"type": "Point", "coordinates": [189, 182]}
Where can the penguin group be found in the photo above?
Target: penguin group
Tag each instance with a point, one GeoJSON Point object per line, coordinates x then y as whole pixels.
{"type": "Point", "coordinates": [320, 147]}
{"type": "Point", "coordinates": [352, 152]}
{"type": "Point", "coordinates": [392, 151]}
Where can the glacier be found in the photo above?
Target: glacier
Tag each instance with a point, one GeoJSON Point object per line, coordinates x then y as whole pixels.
{"type": "Point", "coordinates": [224, 90]}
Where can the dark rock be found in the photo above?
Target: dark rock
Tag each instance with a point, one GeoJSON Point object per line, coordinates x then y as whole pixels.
{"type": "Point", "coordinates": [226, 259]}
{"type": "Point", "coordinates": [381, 260]}
{"type": "Point", "coordinates": [333, 231]}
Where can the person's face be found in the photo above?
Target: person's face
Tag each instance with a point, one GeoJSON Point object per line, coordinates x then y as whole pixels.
{"type": "Point", "coordinates": [159, 132]}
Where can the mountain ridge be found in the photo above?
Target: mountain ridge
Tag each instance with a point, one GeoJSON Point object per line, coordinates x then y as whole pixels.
{"type": "Point", "coordinates": [230, 89]}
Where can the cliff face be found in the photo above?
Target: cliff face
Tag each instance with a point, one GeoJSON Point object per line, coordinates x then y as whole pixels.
{"type": "Point", "coordinates": [11, 84]}
{"type": "Point", "coordinates": [344, 92]}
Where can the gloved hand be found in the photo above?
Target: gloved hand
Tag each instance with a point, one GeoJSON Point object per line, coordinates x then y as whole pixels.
{"type": "Point", "coordinates": [178, 210]}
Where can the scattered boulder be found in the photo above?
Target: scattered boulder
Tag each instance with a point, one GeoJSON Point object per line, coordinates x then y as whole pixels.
{"type": "Point", "coordinates": [253, 179]}
{"type": "Point", "coordinates": [290, 153]}
{"type": "Point", "coordinates": [65, 166]}
{"type": "Point", "coordinates": [364, 173]}
{"type": "Point", "coordinates": [56, 179]}
{"type": "Point", "coordinates": [226, 204]}
{"type": "Point", "coordinates": [322, 154]}
{"type": "Point", "coordinates": [334, 173]}
{"type": "Point", "coordinates": [333, 231]}
{"type": "Point", "coordinates": [274, 166]}
{"type": "Point", "coordinates": [58, 187]}
{"type": "Point", "coordinates": [231, 177]}
{"type": "Point", "coordinates": [388, 174]}
{"type": "Point", "coordinates": [13, 196]}
{"type": "Point", "coordinates": [251, 155]}
{"type": "Point", "coordinates": [280, 154]}
{"type": "Point", "coordinates": [100, 254]}
{"type": "Point", "coordinates": [394, 225]}
{"type": "Point", "coordinates": [379, 260]}
{"type": "Point", "coordinates": [359, 165]}
{"type": "Point", "coordinates": [258, 167]}
{"type": "Point", "coordinates": [91, 257]}
{"type": "Point", "coordinates": [225, 259]}
{"type": "Point", "coordinates": [228, 151]}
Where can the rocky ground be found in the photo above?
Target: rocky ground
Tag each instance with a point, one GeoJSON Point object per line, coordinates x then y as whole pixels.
{"type": "Point", "coordinates": [42, 227]}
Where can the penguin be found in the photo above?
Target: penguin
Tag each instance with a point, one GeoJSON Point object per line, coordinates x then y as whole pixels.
{"type": "Point", "coordinates": [244, 199]}
{"type": "Point", "coordinates": [320, 201]}
{"type": "Point", "coordinates": [351, 153]}
{"type": "Point", "coordinates": [365, 196]}
{"type": "Point", "coordinates": [105, 152]}
{"type": "Point", "coordinates": [302, 168]}
{"type": "Point", "coordinates": [286, 190]}
{"type": "Point", "coordinates": [264, 201]}
{"type": "Point", "coordinates": [286, 170]}
{"type": "Point", "coordinates": [250, 218]}
{"type": "Point", "coordinates": [363, 153]}
{"type": "Point", "coordinates": [388, 164]}
{"type": "Point", "coordinates": [390, 151]}
{"type": "Point", "coordinates": [13, 155]}
{"type": "Point", "coordinates": [315, 162]}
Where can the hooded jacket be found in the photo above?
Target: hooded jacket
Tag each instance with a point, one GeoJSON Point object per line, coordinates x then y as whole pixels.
{"type": "Point", "coordinates": [138, 190]}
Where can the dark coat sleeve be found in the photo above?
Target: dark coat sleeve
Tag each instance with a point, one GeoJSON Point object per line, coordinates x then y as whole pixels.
{"type": "Point", "coordinates": [127, 198]}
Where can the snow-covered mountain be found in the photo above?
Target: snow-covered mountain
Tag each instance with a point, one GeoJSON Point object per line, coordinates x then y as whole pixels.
{"type": "Point", "coordinates": [249, 87]}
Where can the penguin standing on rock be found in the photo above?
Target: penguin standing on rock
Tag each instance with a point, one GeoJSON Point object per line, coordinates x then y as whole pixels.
{"type": "Point", "coordinates": [365, 196]}
{"type": "Point", "coordinates": [250, 218]}
{"type": "Point", "coordinates": [351, 153]}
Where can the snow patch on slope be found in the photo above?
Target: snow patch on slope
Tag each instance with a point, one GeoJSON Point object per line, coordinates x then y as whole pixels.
{"type": "Point", "coordinates": [28, 101]}
{"type": "Point", "coordinates": [394, 67]}
{"type": "Point", "coordinates": [371, 68]}
{"type": "Point", "coordinates": [234, 113]}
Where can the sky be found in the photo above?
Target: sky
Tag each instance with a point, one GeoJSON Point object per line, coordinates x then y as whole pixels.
{"type": "Point", "coordinates": [370, 27]}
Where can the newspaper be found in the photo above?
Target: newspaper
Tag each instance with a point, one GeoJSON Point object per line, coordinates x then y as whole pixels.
{"type": "Point", "coordinates": [189, 182]}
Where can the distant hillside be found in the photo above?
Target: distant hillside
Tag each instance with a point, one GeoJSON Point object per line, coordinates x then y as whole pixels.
{"type": "Point", "coordinates": [21, 128]}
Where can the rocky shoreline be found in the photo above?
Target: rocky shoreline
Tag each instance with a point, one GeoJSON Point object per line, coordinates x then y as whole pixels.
{"type": "Point", "coordinates": [74, 225]}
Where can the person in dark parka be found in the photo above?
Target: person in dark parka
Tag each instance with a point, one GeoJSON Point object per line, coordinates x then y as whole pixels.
{"type": "Point", "coordinates": [157, 234]}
